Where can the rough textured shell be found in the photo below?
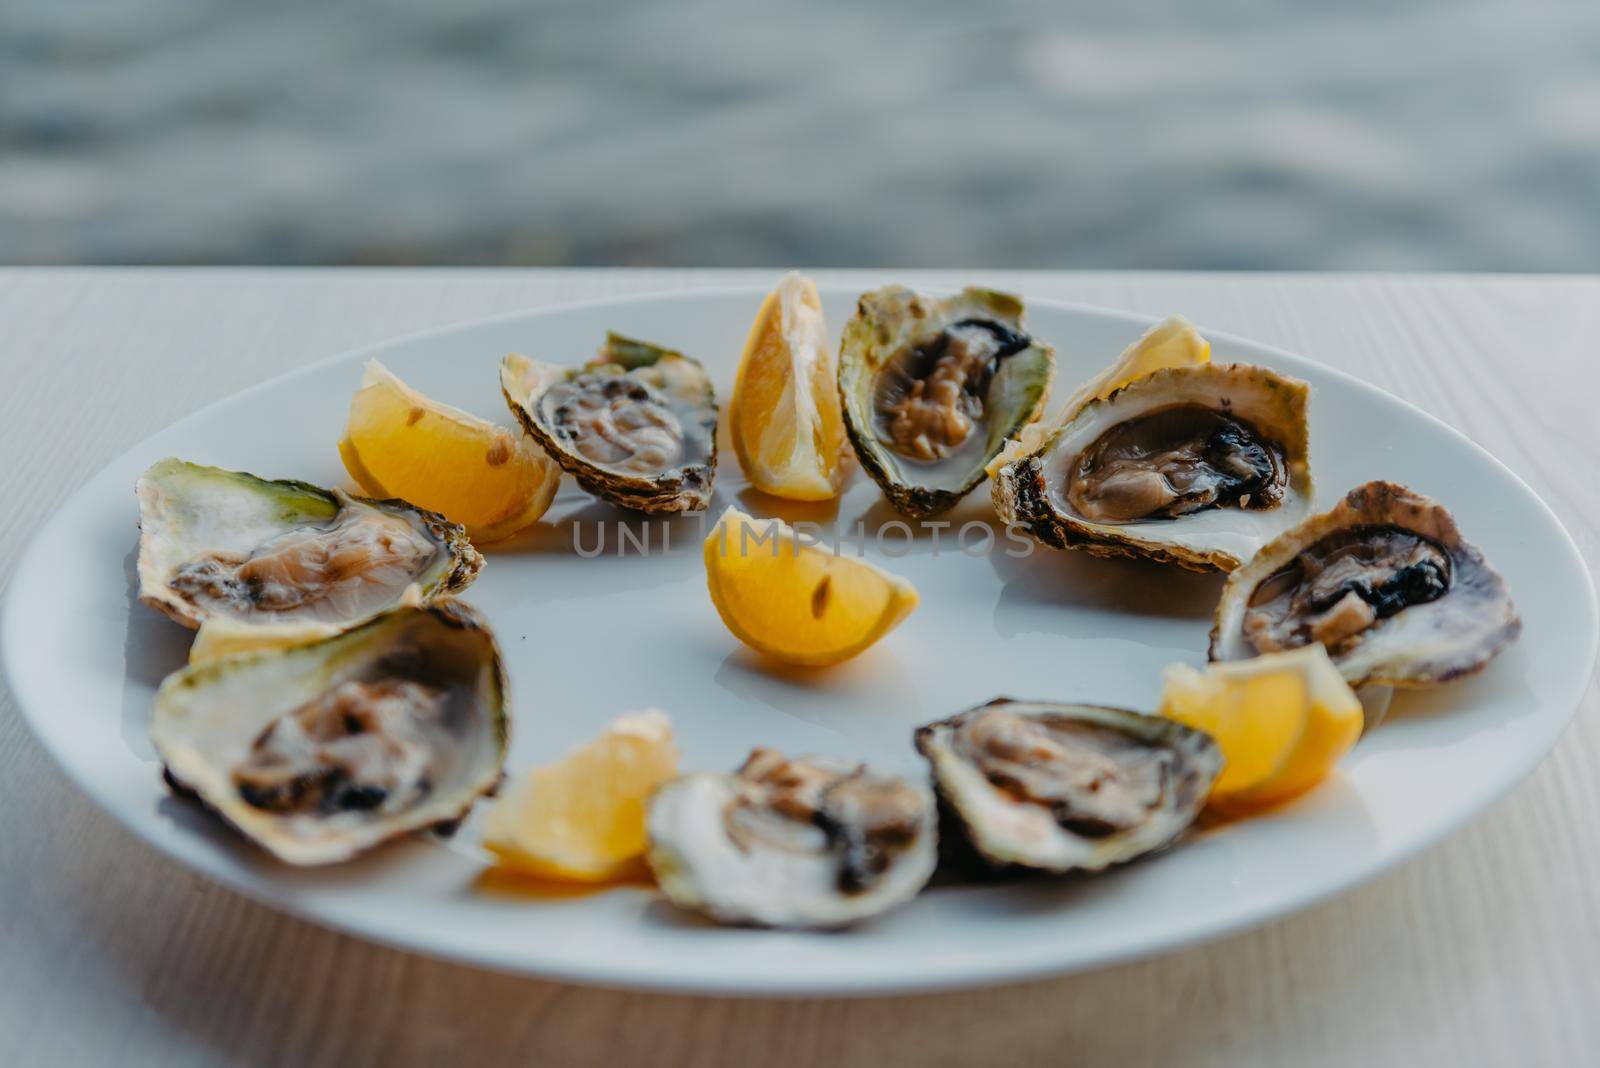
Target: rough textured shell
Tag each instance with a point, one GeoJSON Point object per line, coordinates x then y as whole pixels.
{"type": "Point", "coordinates": [206, 717]}
{"type": "Point", "coordinates": [683, 488]}
{"type": "Point", "coordinates": [886, 321]}
{"type": "Point", "coordinates": [1215, 540]}
{"type": "Point", "coordinates": [1003, 835]}
{"type": "Point", "coordinates": [699, 868]}
{"type": "Point", "coordinates": [1419, 646]}
{"type": "Point", "coordinates": [187, 510]}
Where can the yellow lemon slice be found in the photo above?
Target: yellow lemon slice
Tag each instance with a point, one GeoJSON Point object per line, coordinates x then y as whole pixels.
{"type": "Point", "coordinates": [1173, 342]}
{"type": "Point", "coordinates": [798, 603]}
{"type": "Point", "coordinates": [583, 818]}
{"type": "Point", "coordinates": [787, 427]}
{"type": "Point", "coordinates": [399, 443]}
{"type": "Point", "coordinates": [1282, 721]}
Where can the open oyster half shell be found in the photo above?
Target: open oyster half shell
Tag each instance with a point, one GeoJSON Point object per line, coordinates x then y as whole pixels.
{"type": "Point", "coordinates": [1196, 466]}
{"type": "Point", "coordinates": [636, 425]}
{"type": "Point", "coordinates": [802, 842]}
{"type": "Point", "coordinates": [1384, 580]}
{"type": "Point", "coordinates": [932, 389]}
{"type": "Point", "coordinates": [258, 557]}
{"type": "Point", "coordinates": [321, 751]}
{"type": "Point", "coordinates": [1057, 787]}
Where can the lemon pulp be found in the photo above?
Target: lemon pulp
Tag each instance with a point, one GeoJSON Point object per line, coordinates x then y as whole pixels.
{"type": "Point", "coordinates": [583, 818]}
{"type": "Point", "coordinates": [400, 443]}
{"type": "Point", "coordinates": [1282, 722]}
{"type": "Point", "coordinates": [798, 603]}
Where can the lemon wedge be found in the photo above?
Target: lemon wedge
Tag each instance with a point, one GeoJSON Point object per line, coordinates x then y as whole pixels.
{"type": "Point", "coordinates": [798, 603]}
{"type": "Point", "coordinates": [1173, 342]}
{"type": "Point", "coordinates": [1282, 721]}
{"type": "Point", "coordinates": [784, 416]}
{"type": "Point", "coordinates": [399, 443]}
{"type": "Point", "coordinates": [582, 819]}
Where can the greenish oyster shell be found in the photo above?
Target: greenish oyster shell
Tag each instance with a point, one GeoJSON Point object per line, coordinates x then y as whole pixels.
{"type": "Point", "coordinates": [266, 739]}
{"type": "Point", "coordinates": [893, 340]}
{"type": "Point", "coordinates": [1017, 808]}
{"type": "Point", "coordinates": [636, 425]}
{"type": "Point", "coordinates": [226, 545]}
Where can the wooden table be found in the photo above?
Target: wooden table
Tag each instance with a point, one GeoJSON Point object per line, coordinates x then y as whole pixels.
{"type": "Point", "coordinates": [1485, 950]}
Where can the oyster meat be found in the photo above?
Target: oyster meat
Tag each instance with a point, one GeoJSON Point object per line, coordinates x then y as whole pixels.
{"type": "Point", "coordinates": [287, 557]}
{"type": "Point", "coordinates": [320, 751]}
{"type": "Point", "coordinates": [637, 425]}
{"type": "Point", "coordinates": [1384, 581]}
{"type": "Point", "coordinates": [802, 842]}
{"type": "Point", "coordinates": [933, 388]}
{"type": "Point", "coordinates": [1196, 466]}
{"type": "Point", "coordinates": [1057, 787]}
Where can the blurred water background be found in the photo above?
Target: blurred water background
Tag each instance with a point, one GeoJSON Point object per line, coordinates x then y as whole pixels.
{"type": "Point", "coordinates": [1454, 134]}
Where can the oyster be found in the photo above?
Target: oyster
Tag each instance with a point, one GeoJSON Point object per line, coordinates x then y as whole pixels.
{"type": "Point", "coordinates": [933, 388]}
{"type": "Point", "coordinates": [1196, 466]}
{"type": "Point", "coordinates": [1173, 342]}
{"type": "Point", "coordinates": [1384, 580]}
{"type": "Point", "coordinates": [320, 751]}
{"type": "Point", "coordinates": [803, 842]}
{"type": "Point", "coordinates": [1059, 786]}
{"type": "Point", "coordinates": [286, 558]}
{"type": "Point", "coordinates": [637, 425]}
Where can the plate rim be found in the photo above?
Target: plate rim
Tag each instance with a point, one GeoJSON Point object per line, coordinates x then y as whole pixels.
{"type": "Point", "coordinates": [658, 976]}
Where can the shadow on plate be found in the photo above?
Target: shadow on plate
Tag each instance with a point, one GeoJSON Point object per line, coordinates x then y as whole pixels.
{"type": "Point", "coordinates": [1071, 578]}
{"type": "Point", "coordinates": [522, 887]}
{"type": "Point", "coordinates": [1448, 710]}
{"type": "Point", "coordinates": [660, 912]}
{"type": "Point", "coordinates": [853, 699]}
{"type": "Point", "coordinates": [752, 500]}
{"type": "Point", "coordinates": [1330, 819]}
{"type": "Point", "coordinates": [598, 529]}
{"type": "Point", "coordinates": [1071, 594]}
{"type": "Point", "coordinates": [154, 648]}
{"type": "Point", "coordinates": [894, 534]}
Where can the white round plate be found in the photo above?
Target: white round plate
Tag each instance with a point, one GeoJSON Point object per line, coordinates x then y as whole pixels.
{"type": "Point", "coordinates": [588, 638]}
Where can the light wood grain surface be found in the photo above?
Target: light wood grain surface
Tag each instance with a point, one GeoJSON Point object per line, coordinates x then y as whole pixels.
{"type": "Point", "coordinates": [1484, 950]}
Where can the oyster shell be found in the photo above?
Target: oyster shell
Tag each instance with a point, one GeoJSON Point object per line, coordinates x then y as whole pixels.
{"type": "Point", "coordinates": [803, 842]}
{"type": "Point", "coordinates": [933, 388]}
{"type": "Point", "coordinates": [637, 425]}
{"type": "Point", "coordinates": [286, 558]}
{"type": "Point", "coordinates": [1196, 466]}
{"type": "Point", "coordinates": [1057, 787]}
{"type": "Point", "coordinates": [321, 751]}
{"type": "Point", "coordinates": [1384, 580]}
{"type": "Point", "coordinates": [1172, 342]}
